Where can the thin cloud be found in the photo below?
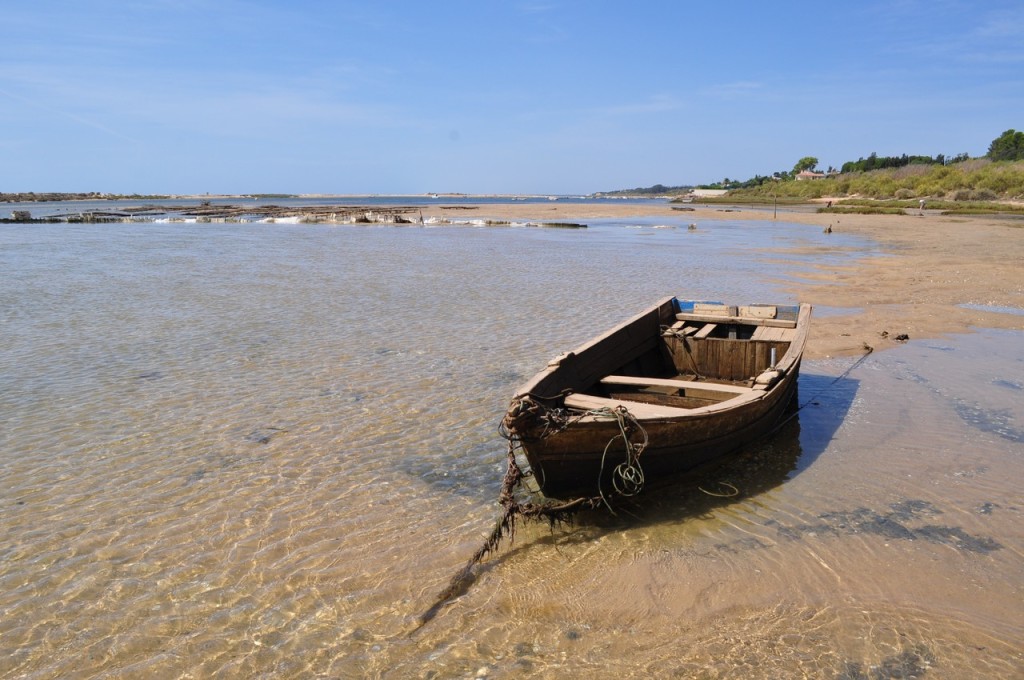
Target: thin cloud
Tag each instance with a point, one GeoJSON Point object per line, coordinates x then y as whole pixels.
{"type": "Point", "coordinates": [82, 120]}
{"type": "Point", "coordinates": [987, 37]}
{"type": "Point", "coordinates": [219, 103]}
{"type": "Point", "coordinates": [1001, 24]}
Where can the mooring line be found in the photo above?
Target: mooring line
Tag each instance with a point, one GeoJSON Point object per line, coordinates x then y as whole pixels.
{"type": "Point", "coordinates": [869, 349]}
{"type": "Point", "coordinates": [556, 513]}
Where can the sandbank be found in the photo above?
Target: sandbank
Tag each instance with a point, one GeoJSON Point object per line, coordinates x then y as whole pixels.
{"type": "Point", "coordinates": [938, 274]}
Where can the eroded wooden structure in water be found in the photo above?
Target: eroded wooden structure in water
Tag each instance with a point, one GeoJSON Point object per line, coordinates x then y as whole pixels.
{"type": "Point", "coordinates": [207, 212]}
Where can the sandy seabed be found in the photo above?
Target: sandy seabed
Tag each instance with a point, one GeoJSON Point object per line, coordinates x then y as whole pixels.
{"type": "Point", "coordinates": [935, 276]}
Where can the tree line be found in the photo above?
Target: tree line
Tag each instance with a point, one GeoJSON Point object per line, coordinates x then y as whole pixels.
{"type": "Point", "coordinates": [876, 162]}
{"type": "Point", "coordinates": [1009, 146]}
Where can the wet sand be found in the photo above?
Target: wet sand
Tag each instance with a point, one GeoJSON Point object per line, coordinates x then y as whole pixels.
{"type": "Point", "coordinates": [932, 265]}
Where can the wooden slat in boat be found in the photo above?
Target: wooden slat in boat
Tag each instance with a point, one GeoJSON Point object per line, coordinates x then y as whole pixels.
{"type": "Point", "coordinates": [714, 308]}
{"type": "Point", "coordinates": [680, 328]}
{"type": "Point", "coordinates": [589, 402]}
{"type": "Point", "coordinates": [747, 320]}
{"type": "Point", "coordinates": [671, 382]}
{"type": "Point", "coordinates": [759, 311]}
{"type": "Point", "coordinates": [769, 334]}
{"type": "Point", "coordinates": [723, 358]}
{"type": "Point", "coordinates": [706, 330]}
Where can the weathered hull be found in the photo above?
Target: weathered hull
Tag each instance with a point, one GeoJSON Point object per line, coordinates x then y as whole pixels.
{"type": "Point", "coordinates": [641, 366]}
{"type": "Point", "coordinates": [575, 462]}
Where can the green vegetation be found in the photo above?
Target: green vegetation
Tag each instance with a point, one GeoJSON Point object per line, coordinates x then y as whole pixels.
{"type": "Point", "coordinates": [876, 162]}
{"type": "Point", "coordinates": [974, 180]}
{"type": "Point", "coordinates": [805, 163]}
{"type": "Point", "coordinates": [932, 204]}
{"type": "Point", "coordinates": [862, 210]}
{"type": "Point", "coordinates": [656, 190]}
{"type": "Point", "coordinates": [952, 207]}
{"type": "Point", "coordinates": [1008, 146]}
{"type": "Point", "coordinates": [955, 184]}
{"type": "Point", "coordinates": [967, 183]}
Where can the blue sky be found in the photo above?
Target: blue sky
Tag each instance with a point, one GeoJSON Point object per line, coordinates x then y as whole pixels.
{"type": "Point", "coordinates": [539, 96]}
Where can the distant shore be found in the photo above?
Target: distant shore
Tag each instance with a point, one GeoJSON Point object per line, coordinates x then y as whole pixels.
{"type": "Point", "coordinates": [940, 274]}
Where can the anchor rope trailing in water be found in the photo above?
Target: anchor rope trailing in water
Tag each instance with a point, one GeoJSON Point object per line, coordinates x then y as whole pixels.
{"type": "Point", "coordinates": [627, 477]}
{"type": "Point", "coordinates": [868, 349]}
{"type": "Point", "coordinates": [512, 510]}
{"type": "Point", "coordinates": [627, 480]}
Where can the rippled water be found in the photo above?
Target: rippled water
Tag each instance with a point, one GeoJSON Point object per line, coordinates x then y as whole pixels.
{"type": "Point", "coordinates": [262, 450]}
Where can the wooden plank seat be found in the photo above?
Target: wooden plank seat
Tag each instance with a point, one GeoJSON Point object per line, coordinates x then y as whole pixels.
{"type": "Point", "coordinates": [589, 402]}
{"type": "Point", "coordinates": [745, 320]}
{"type": "Point", "coordinates": [671, 382]}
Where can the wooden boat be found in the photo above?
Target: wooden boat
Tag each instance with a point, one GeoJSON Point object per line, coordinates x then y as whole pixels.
{"type": "Point", "coordinates": [669, 390]}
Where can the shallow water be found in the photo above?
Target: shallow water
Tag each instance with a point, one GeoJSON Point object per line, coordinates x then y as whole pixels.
{"type": "Point", "coordinates": [262, 451]}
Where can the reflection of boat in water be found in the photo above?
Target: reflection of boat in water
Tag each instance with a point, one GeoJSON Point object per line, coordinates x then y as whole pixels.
{"type": "Point", "coordinates": [673, 388]}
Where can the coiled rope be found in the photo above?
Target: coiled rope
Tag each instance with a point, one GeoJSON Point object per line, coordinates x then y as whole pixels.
{"type": "Point", "coordinates": [627, 477]}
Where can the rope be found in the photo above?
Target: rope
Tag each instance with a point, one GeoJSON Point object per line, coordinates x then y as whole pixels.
{"type": "Point", "coordinates": [735, 492]}
{"type": "Point", "coordinates": [868, 349]}
{"type": "Point", "coordinates": [627, 477]}
{"type": "Point", "coordinates": [512, 509]}
{"type": "Point", "coordinates": [681, 337]}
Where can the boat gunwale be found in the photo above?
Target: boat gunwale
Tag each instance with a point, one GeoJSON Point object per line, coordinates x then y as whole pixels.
{"type": "Point", "coordinates": [559, 363]}
{"type": "Point", "coordinates": [785, 365]}
{"type": "Point", "coordinates": [678, 440]}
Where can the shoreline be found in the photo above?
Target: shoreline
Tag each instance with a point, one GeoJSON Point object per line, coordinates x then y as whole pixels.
{"type": "Point", "coordinates": [932, 266]}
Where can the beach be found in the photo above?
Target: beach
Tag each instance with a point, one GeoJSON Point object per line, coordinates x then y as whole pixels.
{"type": "Point", "coordinates": [262, 449]}
{"type": "Point", "coordinates": [940, 274]}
